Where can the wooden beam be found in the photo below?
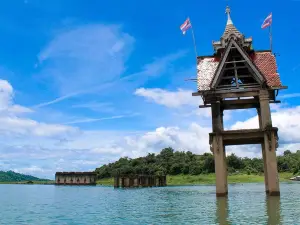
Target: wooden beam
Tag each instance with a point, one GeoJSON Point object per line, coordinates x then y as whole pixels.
{"type": "Point", "coordinates": [240, 76]}
{"type": "Point", "coordinates": [237, 67]}
{"type": "Point", "coordinates": [240, 101]}
{"type": "Point", "coordinates": [241, 137]}
{"type": "Point", "coordinates": [241, 92]}
{"type": "Point", "coordinates": [197, 93]}
{"type": "Point", "coordinates": [248, 90]}
{"type": "Point", "coordinates": [250, 63]}
{"type": "Point", "coordinates": [235, 61]}
{"type": "Point", "coordinates": [251, 141]}
{"type": "Point", "coordinates": [221, 64]}
{"type": "Point", "coordinates": [278, 88]}
{"type": "Point", "coordinates": [238, 94]}
{"type": "Point", "coordinates": [204, 106]}
{"type": "Point", "coordinates": [240, 106]}
{"type": "Point", "coordinates": [277, 101]}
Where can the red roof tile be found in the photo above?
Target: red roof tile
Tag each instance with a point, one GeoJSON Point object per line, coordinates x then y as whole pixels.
{"type": "Point", "coordinates": [266, 63]}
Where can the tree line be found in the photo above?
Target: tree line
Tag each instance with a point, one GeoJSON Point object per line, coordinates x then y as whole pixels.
{"type": "Point", "coordinates": [11, 176]}
{"type": "Point", "coordinates": [170, 162]}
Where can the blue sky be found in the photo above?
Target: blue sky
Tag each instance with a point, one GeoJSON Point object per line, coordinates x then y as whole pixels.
{"type": "Point", "coordinates": [85, 82]}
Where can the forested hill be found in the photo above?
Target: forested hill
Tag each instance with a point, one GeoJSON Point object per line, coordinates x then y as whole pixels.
{"type": "Point", "coordinates": [172, 162]}
{"type": "Point", "coordinates": [11, 176]}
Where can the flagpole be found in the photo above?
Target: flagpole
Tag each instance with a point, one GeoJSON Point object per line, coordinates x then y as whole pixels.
{"type": "Point", "coordinates": [270, 36]}
{"type": "Point", "coordinates": [195, 48]}
{"type": "Point", "coordinates": [194, 41]}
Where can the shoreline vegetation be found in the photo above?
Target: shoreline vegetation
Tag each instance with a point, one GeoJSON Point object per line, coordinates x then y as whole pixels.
{"type": "Point", "coordinates": [208, 179]}
{"type": "Point", "coordinates": [186, 168]}
{"type": "Point", "coordinates": [29, 182]}
{"type": "Point", "coordinates": [185, 180]}
{"type": "Point", "coordinates": [181, 168]}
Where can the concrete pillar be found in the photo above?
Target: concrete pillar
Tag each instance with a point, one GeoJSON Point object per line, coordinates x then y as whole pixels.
{"type": "Point", "coordinates": [219, 150]}
{"type": "Point", "coordinates": [263, 152]}
{"type": "Point", "coordinates": [217, 117]}
{"type": "Point", "coordinates": [269, 145]}
{"type": "Point", "coordinates": [220, 166]}
{"type": "Point", "coordinates": [265, 112]}
{"type": "Point", "coordinates": [271, 164]}
{"type": "Point", "coordinates": [265, 167]}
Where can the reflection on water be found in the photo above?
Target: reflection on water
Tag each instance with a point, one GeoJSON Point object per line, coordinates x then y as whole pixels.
{"type": "Point", "coordinates": [246, 204]}
{"type": "Point", "coordinates": [273, 210]}
{"type": "Point", "coordinates": [222, 211]}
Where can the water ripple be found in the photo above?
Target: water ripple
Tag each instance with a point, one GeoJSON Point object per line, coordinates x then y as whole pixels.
{"type": "Point", "coordinates": [67, 205]}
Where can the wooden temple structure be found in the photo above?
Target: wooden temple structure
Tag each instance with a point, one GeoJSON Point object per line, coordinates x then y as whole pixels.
{"type": "Point", "coordinates": [238, 77]}
{"type": "Point", "coordinates": [127, 181]}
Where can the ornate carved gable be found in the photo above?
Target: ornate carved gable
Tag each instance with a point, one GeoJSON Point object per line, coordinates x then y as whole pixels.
{"type": "Point", "coordinates": [236, 70]}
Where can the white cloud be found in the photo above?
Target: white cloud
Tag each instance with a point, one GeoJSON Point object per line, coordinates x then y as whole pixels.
{"type": "Point", "coordinates": [186, 105]}
{"type": "Point", "coordinates": [55, 147]}
{"type": "Point", "coordinates": [6, 100]}
{"type": "Point", "coordinates": [12, 124]}
{"type": "Point", "coordinates": [283, 118]}
{"type": "Point", "coordinates": [17, 109]}
{"type": "Point", "coordinates": [170, 99]}
{"type": "Point", "coordinates": [29, 170]}
{"type": "Point", "coordinates": [194, 139]}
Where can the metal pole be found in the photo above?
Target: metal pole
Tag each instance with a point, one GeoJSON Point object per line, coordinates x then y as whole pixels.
{"type": "Point", "coordinates": [194, 41]}
{"type": "Point", "coordinates": [270, 36]}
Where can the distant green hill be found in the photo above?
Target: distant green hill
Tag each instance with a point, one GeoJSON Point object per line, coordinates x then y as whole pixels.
{"type": "Point", "coordinates": [11, 176]}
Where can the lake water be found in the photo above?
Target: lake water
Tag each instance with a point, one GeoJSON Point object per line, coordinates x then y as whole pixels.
{"type": "Point", "coordinates": [62, 205]}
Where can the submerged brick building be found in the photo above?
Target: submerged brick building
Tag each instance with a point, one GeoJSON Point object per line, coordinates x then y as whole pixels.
{"type": "Point", "coordinates": [75, 178]}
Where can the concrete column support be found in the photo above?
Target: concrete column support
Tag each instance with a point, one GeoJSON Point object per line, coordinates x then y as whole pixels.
{"type": "Point", "coordinates": [217, 117]}
{"type": "Point", "coordinates": [265, 112]}
{"type": "Point", "coordinates": [271, 163]}
{"type": "Point", "coordinates": [265, 167]}
{"type": "Point", "coordinates": [269, 145]}
{"type": "Point", "coordinates": [219, 150]}
{"type": "Point", "coordinates": [220, 166]}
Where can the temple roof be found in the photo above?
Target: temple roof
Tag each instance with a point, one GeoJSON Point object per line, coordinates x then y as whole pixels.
{"type": "Point", "coordinates": [230, 32]}
{"type": "Point", "coordinates": [235, 62]}
{"type": "Point", "coordinates": [264, 60]}
{"type": "Point", "coordinates": [230, 28]}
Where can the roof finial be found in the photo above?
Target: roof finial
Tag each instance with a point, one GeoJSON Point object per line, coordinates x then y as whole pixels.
{"type": "Point", "coordinates": [229, 21]}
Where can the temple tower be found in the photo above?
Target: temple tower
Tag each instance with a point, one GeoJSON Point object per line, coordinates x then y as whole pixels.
{"type": "Point", "coordinates": [238, 77]}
